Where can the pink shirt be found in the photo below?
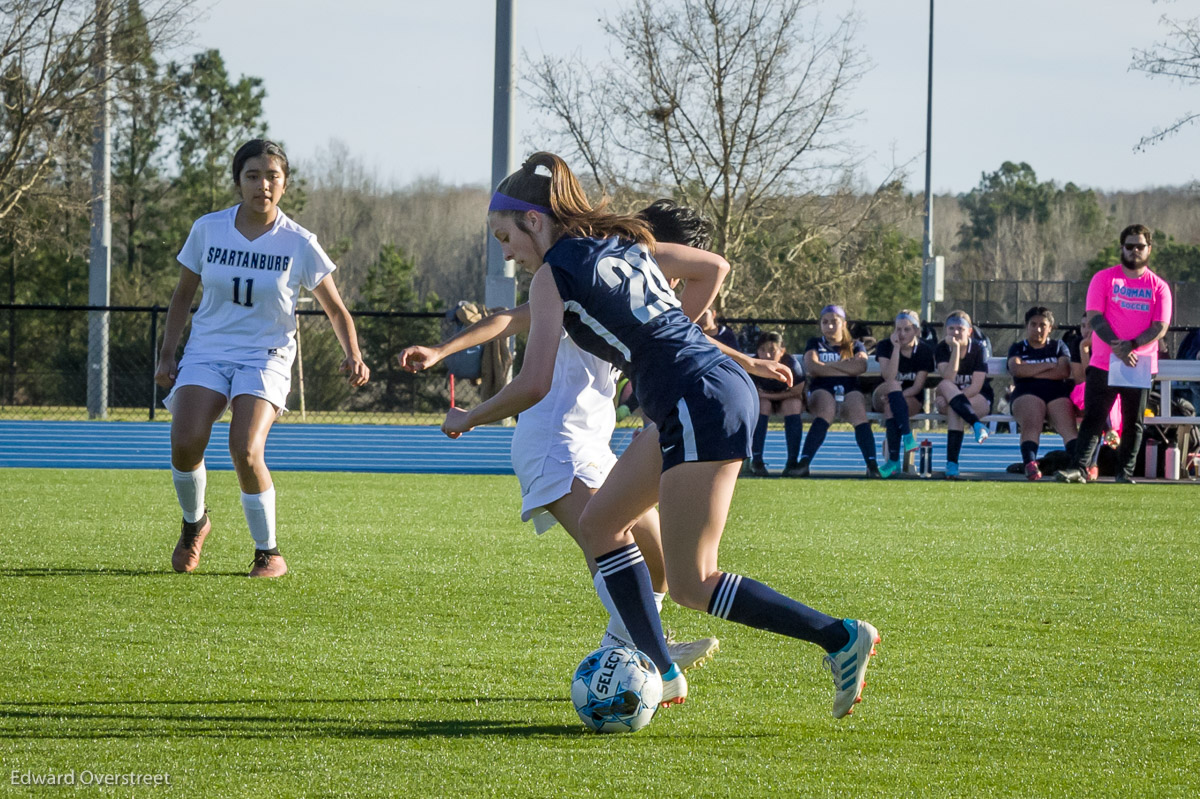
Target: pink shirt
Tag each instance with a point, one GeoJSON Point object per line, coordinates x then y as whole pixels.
{"type": "Point", "coordinates": [1129, 307]}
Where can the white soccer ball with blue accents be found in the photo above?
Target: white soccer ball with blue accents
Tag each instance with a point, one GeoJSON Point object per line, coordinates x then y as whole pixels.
{"type": "Point", "coordinates": [616, 689]}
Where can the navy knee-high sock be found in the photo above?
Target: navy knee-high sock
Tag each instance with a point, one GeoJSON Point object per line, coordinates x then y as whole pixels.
{"type": "Point", "coordinates": [1029, 451]}
{"type": "Point", "coordinates": [899, 406]}
{"type": "Point", "coordinates": [759, 442]}
{"type": "Point", "coordinates": [954, 439]}
{"type": "Point", "coordinates": [816, 437]}
{"type": "Point", "coordinates": [865, 440]}
{"type": "Point", "coordinates": [962, 406]}
{"type": "Point", "coordinates": [793, 431]}
{"type": "Point", "coordinates": [1071, 448]}
{"type": "Point", "coordinates": [893, 439]}
{"type": "Point", "coordinates": [628, 582]}
{"type": "Point", "coordinates": [757, 605]}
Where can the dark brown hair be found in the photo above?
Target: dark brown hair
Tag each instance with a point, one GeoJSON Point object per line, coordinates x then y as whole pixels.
{"type": "Point", "coordinates": [1137, 230]}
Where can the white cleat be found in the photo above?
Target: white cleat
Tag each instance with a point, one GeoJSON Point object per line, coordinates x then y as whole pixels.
{"type": "Point", "coordinates": [849, 666]}
{"type": "Point", "coordinates": [675, 687]}
{"type": "Point", "coordinates": [688, 655]}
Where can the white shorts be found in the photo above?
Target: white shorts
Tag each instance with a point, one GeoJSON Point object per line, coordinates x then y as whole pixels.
{"type": "Point", "coordinates": [552, 481]}
{"type": "Point", "coordinates": [270, 380]}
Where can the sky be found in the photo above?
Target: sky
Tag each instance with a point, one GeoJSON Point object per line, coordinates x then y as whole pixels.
{"type": "Point", "coordinates": [407, 86]}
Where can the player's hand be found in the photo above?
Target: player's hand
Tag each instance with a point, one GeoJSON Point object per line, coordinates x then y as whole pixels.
{"type": "Point", "coordinates": [895, 338]}
{"type": "Point", "coordinates": [455, 423]}
{"type": "Point", "coordinates": [358, 372]}
{"type": "Point", "coordinates": [166, 372]}
{"type": "Point", "coordinates": [771, 370]}
{"type": "Point", "coordinates": [416, 358]}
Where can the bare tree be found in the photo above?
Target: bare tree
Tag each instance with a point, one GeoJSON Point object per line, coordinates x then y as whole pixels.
{"type": "Point", "coordinates": [47, 84]}
{"type": "Point", "coordinates": [1176, 58]}
{"type": "Point", "coordinates": [738, 108]}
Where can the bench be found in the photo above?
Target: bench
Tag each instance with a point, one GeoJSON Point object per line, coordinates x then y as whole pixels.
{"type": "Point", "coordinates": [1170, 371]}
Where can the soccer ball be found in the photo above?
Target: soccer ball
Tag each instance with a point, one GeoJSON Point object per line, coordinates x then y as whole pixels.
{"type": "Point", "coordinates": [616, 689]}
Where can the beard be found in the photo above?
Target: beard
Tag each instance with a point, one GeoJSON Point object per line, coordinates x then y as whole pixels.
{"type": "Point", "coordinates": [1133, 261]}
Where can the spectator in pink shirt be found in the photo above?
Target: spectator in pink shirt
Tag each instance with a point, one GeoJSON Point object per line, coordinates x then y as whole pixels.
{"type": "Point", "coordinates": [1129, 308]}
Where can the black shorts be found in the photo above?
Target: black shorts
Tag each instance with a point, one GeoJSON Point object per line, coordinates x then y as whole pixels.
{"type": "Point", "coordinates": [830, 384]}
{"type": "Point", "coordinates": [713, 421]}
{"type": "Point", "coordinates": [1047, 394]}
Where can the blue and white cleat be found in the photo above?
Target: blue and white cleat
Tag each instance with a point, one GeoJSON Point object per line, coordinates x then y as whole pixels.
{"type": "Point", "coordinates": [981, 432]}
{"type": "Point", "coordinates": [849, 666]}
{"type": "Point", "coordinates": [674, 686]}
{"type": "Point", "coordinates": [951, 470]}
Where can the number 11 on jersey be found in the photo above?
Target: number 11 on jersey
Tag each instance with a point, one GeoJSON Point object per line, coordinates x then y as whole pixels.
{"type": "Point", "coordinates": [237, 282]}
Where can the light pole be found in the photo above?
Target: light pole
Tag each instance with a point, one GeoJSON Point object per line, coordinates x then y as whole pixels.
{"type": "Point", "coordinates": [932, 268]}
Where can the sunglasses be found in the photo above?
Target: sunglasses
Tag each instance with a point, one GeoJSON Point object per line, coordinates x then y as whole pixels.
{"type": "Point", "coordinates": [1136, 247]}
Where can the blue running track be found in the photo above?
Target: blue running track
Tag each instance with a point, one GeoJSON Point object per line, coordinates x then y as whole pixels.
{"type": "Point", "coordinates": [385, 448]}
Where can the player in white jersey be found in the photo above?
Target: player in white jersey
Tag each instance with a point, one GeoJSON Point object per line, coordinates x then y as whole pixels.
{"type": "Point", "coordinates": [252, 261]}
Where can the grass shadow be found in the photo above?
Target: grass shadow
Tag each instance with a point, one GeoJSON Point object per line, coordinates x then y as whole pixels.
{"type": "Point", "coordinates": [101, 571]}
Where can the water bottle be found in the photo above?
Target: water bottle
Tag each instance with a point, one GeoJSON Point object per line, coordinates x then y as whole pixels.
{"type": "Point", "coordinates": [1193, 465]}
{"type": "Point", "coordinates": [1171, 465]}
{"type": "Point", "coordinates": [1151, 459]}
{"type": "Point", "coordinates": [839, 394]}
{"type": "Point", "coordinates": [926, 459]}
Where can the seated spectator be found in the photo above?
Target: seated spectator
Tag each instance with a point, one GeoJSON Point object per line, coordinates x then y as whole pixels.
{"type": "Point", "coordinates": [717, 329]}
{"type": "Point", "coordinates": [964, 394]}
{"type": "Point", "coordinates": [904, 364]}
{"type": "Point", "coordinates": [1041, 373]}
{"type": "Point", "coordinates": [832, 364]}
{"type": "Point", "coordinates": [774, 399]}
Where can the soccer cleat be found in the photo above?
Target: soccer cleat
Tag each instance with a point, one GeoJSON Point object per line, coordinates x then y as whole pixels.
{"type": "Point", "coordinates": [951, 470]}
{"type": "Point", "coordinates": [186, 556]}
{"type": "Point", "coordinates": [799, 470]}
{"type": "Point", "coordinates": [1126, 479]}
{"type": "Point", "coordinates": [1093, 473]}
{"type": "Point", "coordinates": [674, 686]}
{"type": "Point", "coordinates": [873, 471]}
{"type": "Point", "coordinates": [267, 564]}
{"type": "Point", "coordinates": [1071, 475]}
{"type": "Point", "coordinates": [1032, 472]}
{"type": "Point", "coordinates": [981, 432]}
{"type": "Point", "coordinates": [908, 442]}
{"type": "Point", "coordinates": [848, 666]}
{"type": "Point", "coordinates": [688, 655]}
{"type": "Point", "coordinates": [889, 468]}
{"type": "Point", "coordinates": [758, 469]}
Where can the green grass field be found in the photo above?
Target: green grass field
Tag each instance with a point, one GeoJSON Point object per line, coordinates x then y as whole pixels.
{"type": "Point", "coordinates": [1038, 640]}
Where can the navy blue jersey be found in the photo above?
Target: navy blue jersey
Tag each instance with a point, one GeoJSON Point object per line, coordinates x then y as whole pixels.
{"type": "Point", "coordinates": [830, 353]}
{"type": "Point", "coordinates": [619, 307]}
{"type": "Point", "coordinates": [1074, 350]}
{"type": "Point", "coordinates": [972, 361]}
{"type": "Point", "coordinates": [1050, 353]}
{"type": "Point", "coordinates": [770, 386]}
{"type": "Point", "coordinates": [919, 360]}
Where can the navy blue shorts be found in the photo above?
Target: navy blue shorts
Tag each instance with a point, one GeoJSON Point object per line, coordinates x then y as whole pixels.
{"type": "Point", "coordinates": [830, 384]}
{"type": "Point", "coordinates": [1047, 394]}
{"type": "Point", "coordinates": [713, 421]}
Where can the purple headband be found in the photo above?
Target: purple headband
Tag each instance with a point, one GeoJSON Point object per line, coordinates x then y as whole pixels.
{"type": "Point", "coordinates": [502, 202]}
{"type": "Point", "coordinates": [834, 309]}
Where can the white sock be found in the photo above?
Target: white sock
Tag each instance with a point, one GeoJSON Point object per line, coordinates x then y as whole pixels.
{"type": "Point", "coordinates": [616, 634]}
{"type": "Point", "coordinates": [260, 516]}
{"type": "Point", "coordinates": [189, 488]}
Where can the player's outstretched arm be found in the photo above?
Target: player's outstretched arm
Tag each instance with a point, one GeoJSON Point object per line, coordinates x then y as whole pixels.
{"type": "Point", "coordinates": [177, 315]}
{"type": "Point", "coordinates": [537, 370]}
{"type": "Point", "coordinates": [343, 327]}
{"type": "Point", "coordinates": [704, 272]}
{"type": "Point", "coordinates": [772, 370]}
{"type": "Point", "coordinates": [501, 324]}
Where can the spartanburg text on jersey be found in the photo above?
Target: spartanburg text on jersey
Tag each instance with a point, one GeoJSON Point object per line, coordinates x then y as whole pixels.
{"type": "Point", "coordinates": [619, 306]}
{"type": "Point", "coordinates": [247, 311]}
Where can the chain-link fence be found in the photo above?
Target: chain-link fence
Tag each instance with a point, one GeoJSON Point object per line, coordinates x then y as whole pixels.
{"type": "Point", "coordinates": [45, 354]}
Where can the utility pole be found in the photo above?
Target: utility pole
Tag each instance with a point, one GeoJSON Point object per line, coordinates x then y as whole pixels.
{"type": "Point", "coordinates": [100, 262]}
{"type": "Point", "coordinates": [501, 284]}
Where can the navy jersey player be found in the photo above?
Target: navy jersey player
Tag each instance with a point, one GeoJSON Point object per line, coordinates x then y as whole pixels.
{"type": "Point", "coordinates": [904, 364]}
{"type": "Point", "coordinates": [252, 262]}
{"type": "Point", "coordinates": [594, 273]}
{"type": "Point", "coordinates": [833, 361]}
{"type": "Point", "coordinates": [1041, 370]}
{"type": "Point", "coordinates": [964, 394]}
{"type": "Point", "coordinates": [776, 397]}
